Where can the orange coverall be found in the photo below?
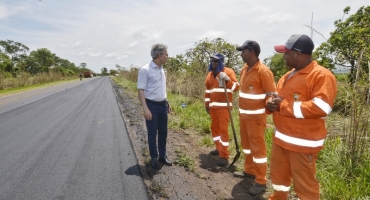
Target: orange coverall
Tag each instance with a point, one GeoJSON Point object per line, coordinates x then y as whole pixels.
{"type": "Point", "coordinates": [215, 100]}
{"type": "Point", "coordinates": [300, 130]}
{"type": "Point", "coordinates": [254, 85]}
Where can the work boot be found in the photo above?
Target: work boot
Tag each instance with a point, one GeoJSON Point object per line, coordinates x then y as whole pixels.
{"type": "Point", "coordinates": [214, 152]}
{"type": "Point", "coordinates": [222, 162]}
{"type": "Point", "coordinates": [242, 174]}
{"type": "Point", "coordinates": [257, 189]}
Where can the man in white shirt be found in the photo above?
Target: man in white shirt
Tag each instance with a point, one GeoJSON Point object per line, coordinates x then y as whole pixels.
{"type": "Point", "coordinates": [151, 87]}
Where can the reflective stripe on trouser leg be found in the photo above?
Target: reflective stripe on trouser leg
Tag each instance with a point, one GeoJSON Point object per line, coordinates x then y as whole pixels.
{"type": "Point", "coordinates": [220, 123]}
{"type": "Point", "coordinates": [256, 137]}
{"type": "Point", "coordinates": [280, 172]}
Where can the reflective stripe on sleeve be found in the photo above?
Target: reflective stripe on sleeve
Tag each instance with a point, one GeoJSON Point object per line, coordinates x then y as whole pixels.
{"type": "Point", "coordinates": [206, 99]}
{"type": "Point", "coordinates": [251, 112]}
{"type": "Point", "coordinates": [251, 96]}
{"type": "Point", "coordinates": [247, 151]}
{"type": "Point", "coordinates": [259, 160]}
{"type": "Point", "coordinates": [208, 91]}
{"type": "Point", "coordinates": [280, 188]}
{"type": "Point", "coordinates": [322, 105]}
{"type": "Point", "coordinates": [220, 104]}
{"type": "Point", "coordinates": [234, 86]}
{"type": "Point", "coordinates": [299, 141]}
{"type": "Point", "coordinates": [216, 138]}
{"type": "Point", "coordinates": [297, 109]}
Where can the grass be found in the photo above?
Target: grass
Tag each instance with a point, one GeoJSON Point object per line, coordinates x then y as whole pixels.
{"type": "Point", "coordinates": [158, 189]}
{"type": "Point", "coordinates": [341, 173]}
{"type": "Point", "coordinates": [185, 161]}
{"type": "Point", "coordinates": [10, 91]}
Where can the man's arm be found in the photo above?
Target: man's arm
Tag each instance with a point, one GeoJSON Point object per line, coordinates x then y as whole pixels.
{"type": "Point", "coordinates": [147, 113]}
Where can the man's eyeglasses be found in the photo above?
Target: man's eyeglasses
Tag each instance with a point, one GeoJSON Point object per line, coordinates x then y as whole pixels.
{"type": "Point", "coordinates": [216, 61]}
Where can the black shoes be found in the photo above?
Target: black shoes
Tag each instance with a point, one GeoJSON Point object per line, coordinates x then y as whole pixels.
{"type": "Point", "coordinates": [242, 174]}
{"type": "Point", "coordinates": [165, 161]}
{"type": "Point", "coordinates": [223, 162]}
{"type": "Point", "coordinates": [257, 189]}
{"type": "Point", "coordinates": [154, 163]}
{"type": "Point", "coordinates": [214, 152]}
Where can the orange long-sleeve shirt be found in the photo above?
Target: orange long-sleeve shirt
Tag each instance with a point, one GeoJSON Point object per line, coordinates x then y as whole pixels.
{"type": "Point", "coordinates": [308, 96]}
{"type": "Point", "coordinates": [254, 85]}
{"type": "Point", "coordinates": [214, 96]}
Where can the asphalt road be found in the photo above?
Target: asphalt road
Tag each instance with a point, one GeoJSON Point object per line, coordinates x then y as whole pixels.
{"type": "Point", "coordinates": [67, 142]}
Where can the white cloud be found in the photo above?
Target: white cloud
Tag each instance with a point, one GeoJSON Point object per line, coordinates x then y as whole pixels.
{"type": "Point", "coordinates": [111, 55]}
{"type": "Point", "coordinates": [133, 44]}
{"type": "Point", "coordinates": [106, 33]}
{"type": "Point", "coordinates": [211, 34]}
{"type": "Point", "coordinates": [76, 45]}
{"type": "Point", "coordinates": [4, 13]}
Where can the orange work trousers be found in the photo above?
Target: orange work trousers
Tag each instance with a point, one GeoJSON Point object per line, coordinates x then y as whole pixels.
{"type": "Point", "coordinates": [286, 165]}
{"type": "Point", "coordinates": [252, 134]}
{"type": "Point", "coordinates": [220, 133]}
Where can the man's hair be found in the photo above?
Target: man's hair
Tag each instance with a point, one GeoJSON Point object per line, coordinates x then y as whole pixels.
{"type": "Point", "coordinates": [157, 49]}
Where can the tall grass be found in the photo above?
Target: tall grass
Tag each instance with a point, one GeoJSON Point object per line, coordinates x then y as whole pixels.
{"type": "Point", "coordinates": [343, 165]}
{"type": "Point", "coordinates": [25, 79]}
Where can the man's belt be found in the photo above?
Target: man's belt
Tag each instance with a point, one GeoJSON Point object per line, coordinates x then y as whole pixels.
{"type": "Point", "coordinates": [156, 102]}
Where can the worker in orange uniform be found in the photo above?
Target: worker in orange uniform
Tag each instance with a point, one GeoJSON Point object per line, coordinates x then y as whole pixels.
{"type": "Point", "coordinates": [305, 96]}
{"type": "Point", "coordinates": [216, 104]}
{"type": "Point", "coordinates": [256, 85]}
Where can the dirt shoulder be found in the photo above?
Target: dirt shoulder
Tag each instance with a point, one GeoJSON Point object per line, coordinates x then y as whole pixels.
{"type": "Point", "coordinates": [207, 181]}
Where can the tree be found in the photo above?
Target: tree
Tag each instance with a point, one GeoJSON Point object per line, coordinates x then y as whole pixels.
{"type": "Point", "coordinates": [5, 62]}
{"type": "Point", "coordinates": [177, 64]}
{"type": "Point", "coordinates": [199, 56]}
{"type": "Point", "coordinates": [13, 49]}
{"type": "Point", "coordinates": [40, 60]}
{"type": "Point", "coordinates": [347, 41]}
{"type": "Point", "coordinates": [113, 72]}
{"type": "Point", "coordinates": [277, 65]}
{"type": "Point", "coordinates": [119, 68]}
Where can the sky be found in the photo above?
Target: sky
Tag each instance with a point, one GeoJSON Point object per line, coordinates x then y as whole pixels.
{"type": "Point", "coordinates": [121, 32]}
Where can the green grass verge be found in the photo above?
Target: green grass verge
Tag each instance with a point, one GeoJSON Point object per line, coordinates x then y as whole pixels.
{"type": "Point", "coordinates": [11, 91]}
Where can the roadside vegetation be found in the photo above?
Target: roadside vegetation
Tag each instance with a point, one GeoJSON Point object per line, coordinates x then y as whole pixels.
{"type": "Point", "coordinates": [20, 68]}
{"type": "Point", "coordinates": [344, 164]}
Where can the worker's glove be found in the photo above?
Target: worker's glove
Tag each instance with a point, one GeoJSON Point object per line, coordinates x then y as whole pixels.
{"type": "Point", "coordinates": [223, 76]}
{"type": "Point", "coordinates": [220, 82]}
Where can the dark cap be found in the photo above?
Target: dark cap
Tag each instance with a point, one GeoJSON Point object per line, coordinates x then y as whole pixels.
{"type": "Point", "coordinates": [301, 43]}
{"type": "Point", "coordinates": [251, 45]}
{"type": "Point", "coordinates": [218, 56]}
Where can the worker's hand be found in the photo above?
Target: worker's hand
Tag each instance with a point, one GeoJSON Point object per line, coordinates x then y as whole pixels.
{"type": "Point", "coordinates": [207, 110]}
{"type": "Point", "coordinates": [223, 76]}
{"type": "Point", "coordinates": [273, 104]}
{"type": "Point", "coordinates": [147, 114]}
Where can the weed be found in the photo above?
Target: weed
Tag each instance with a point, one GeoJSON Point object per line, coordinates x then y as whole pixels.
{"type": "Point", "coordinates": [158, 189]}
{"type": "Point", "coordinates": [182, 160]}
{"type": "Point", "coordinates": [206, 141]}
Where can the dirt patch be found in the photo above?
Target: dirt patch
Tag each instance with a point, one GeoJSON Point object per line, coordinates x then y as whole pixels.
{"type": "Point", "coordinates": [207, 181]}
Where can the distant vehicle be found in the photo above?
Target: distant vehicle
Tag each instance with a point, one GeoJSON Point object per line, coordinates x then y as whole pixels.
{"type": "Point", "coordinates": [88, 74]}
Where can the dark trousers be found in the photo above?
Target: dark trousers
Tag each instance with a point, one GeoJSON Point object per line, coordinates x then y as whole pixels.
{"type": "Point", "coordinates": [157, 126]}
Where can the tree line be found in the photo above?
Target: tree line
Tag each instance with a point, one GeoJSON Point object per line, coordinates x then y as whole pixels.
{"type": "Point", "coordinates": [14, 60]}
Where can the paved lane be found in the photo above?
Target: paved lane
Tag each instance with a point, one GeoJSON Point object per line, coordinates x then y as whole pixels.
{"type": "Point", "coordinates": [71, 144]}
